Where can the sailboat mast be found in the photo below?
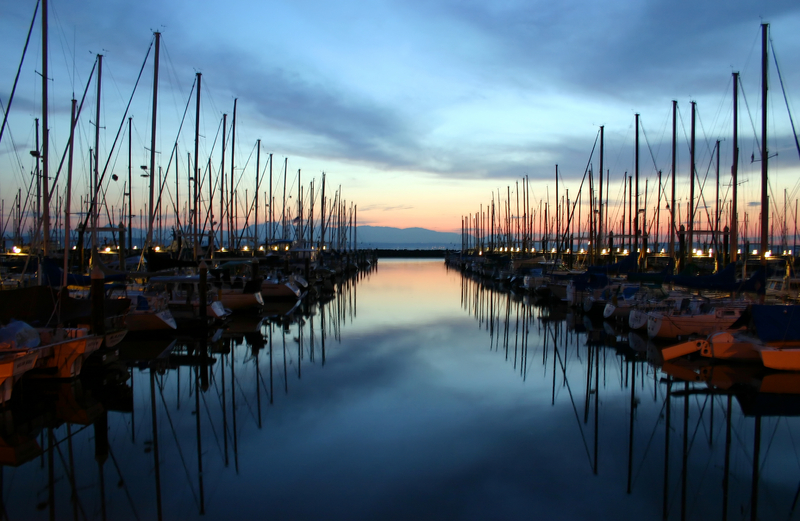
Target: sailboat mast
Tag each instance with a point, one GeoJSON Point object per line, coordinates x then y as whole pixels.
{"type": "Point", "coordinates": [196, 170]}
{"type": "Point", "coordinates": [764, 150]}
{"type": "Point", "coordinates": [716, 214]}
{"type": "Point", "coordinates": [45, 139]}
{"type": "Point", "coordinates": [130, 181]}
{"type": "Point", "coordinates": [232, 205]}
{"type": "Point", "coordinates": [258, 173]}
{"type": "Point", "coordinates": [299, 231]}
{"type": "Point", "coordinates": [322, 220]}
{"type": "Point", "coordinates": [672, 198]}
{"type": "Point", "coordinates": [735, 171]}
{"type": "Point", "coordinates": [69, 193]}
{"type": "Point", "coordinates": [153, 141]}
{"type": "Point", "coordinates": [558, 223]}
{"type": "Point", "coordinates": [222, 184]}
{"type": "Point", "coordinates": [599, 239]}
{"type": "Point", "coordinates": [283, 207]}
{"type": "Point", "coordinates": [691, 182]}
{"type": "Point", "coordinates": [635, 215]}
{"type": "Point", "coordinates": [96, 155]}
{"type": "Point", "coordinates": [271, 214]}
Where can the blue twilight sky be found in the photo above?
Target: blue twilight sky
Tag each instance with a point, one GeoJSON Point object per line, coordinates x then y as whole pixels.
{"type": "Point", "coordinates": [419, 110]}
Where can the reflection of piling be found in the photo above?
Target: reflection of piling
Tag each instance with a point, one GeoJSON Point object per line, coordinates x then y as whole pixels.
{"type": "Point", "coordinates": [98, 300]}
{"type": "Point", "coordinates": [727, 469]}
{"type": "Point", "coordinates": [199, 444]}
{"type": "Point", "coordinates": [756, 461]}
{"type": "Point", "coordinates": [101, 455]}
{"type": "Point", "coordinates": [667, 430]}
{"type": "Point", "coordinates": [156, 459]}
{"type": "Point", "coordinates": [684, 469]}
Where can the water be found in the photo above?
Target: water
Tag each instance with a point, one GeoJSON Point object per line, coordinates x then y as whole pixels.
{"type": "Point", "coordinates": [422, 395]}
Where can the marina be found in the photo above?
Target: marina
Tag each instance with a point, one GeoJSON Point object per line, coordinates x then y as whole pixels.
{"type": "Point", "coordinates": [415, 391]}
{"type": "Point", "coordinates": [198, 321]}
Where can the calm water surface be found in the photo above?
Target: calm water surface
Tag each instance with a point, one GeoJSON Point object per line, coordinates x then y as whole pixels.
{"type": "Point", "coordinates": [414, 393]}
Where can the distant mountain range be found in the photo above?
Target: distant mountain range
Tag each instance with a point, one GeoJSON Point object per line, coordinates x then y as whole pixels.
{"type": "Point", "coordinates": [384, 237]}
{"type": "Point", "coordinates": [368, 237]}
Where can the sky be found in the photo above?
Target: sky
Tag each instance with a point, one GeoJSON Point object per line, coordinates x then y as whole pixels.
{"type": "Point", "coordinates": [422, 111]}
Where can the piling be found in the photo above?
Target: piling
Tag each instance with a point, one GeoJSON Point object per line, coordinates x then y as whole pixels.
{"type": "Point", "coordinates": [203, 294]}
{"type": "Point", "coordinates": [98, 299]}
{"type": "Point", "coordinates": [122, 252]}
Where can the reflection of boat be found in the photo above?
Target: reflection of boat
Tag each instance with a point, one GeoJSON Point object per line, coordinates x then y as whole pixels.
{"type": "Point", "coordinates": [139, 351]}
{"type": "Point", "coordinates": [16, 449]}
{"type": "Point", "coordinates": [63, 350]}
{"type": "Point", "coordinates": [14, 364]}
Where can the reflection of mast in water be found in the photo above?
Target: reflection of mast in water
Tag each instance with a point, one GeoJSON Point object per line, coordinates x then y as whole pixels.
{"type": "Point", "coordinates": [155, 441]}
{"type": "Point", "coordinates": [199, 438]}
{"type": "Point", "coordinates": [630, 431]}
{"type": "Point", "coordinates": [271, 393]}
{"type": "Point", "coordinates": [224, 411]}
{"type": "Point", "coordinates": [756, 458]}
{"type": "Point", "coordinates": [322, 325]}
{"type": "Point", "coordinates": [285, 372]}
{"type": "Point", "coordinates": [233, 414]}
{"type": "Point", "coordinates": [667, 430]}
{"type": "Point", "coordinates": [726, 471]}
{"type": "Point", "coordinates": [101, 455]}
{"type": "Point", "coordinates": [51, 489]}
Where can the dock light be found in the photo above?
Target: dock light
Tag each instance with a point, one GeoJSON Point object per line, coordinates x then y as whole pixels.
{"type": "Point", "coordinates": [583, 250]}
{"type": "Point", "coordinates": [625, 251]}
{"type": "Point", "coordinates": [261, 248]}
{"type": "Point", "coordinates": [135, 247]}
{"type": "Point", "coordinates": [158, 248]}
{"type": "Point", "coordinates": [617, 250]}
{"type": "Point", "coordinates": [517, 248]}
{"type": "Point", "coordinates": [768, 254]}
{"type": "Point", "coordinates": [16, 249]}
{"type": "Point", "coordinates": [324, 248]}
{"type": "Point", "coordinates": [638, 250]}
{"type": "Point", "coordinates": [553, 250]}
{"type": "Point", "coordinates": [648, 250]}
{"type": "Point", "coordinates": [603, 251]}
{"type": "Point", "coordinates": [739, 251]}
{"type": "Point", "coordinates": [755, 252]}
{"type": "Point", "coordinates": [74, 247]}
{"type": "Point", "coordinates": [245, 248]}
{"type": "Point", "coordinates": [710, 251]}
{"type": "Point", "coordinates": [663, 251]}
{"type": "Point", "coordinates": [222, 249]}
{"type": "Point", "coordinates": [108, 249]}
{"type": "Point", "coordinates": [480, 253]}
{"type": "Point", "coordinates": [286, 248]}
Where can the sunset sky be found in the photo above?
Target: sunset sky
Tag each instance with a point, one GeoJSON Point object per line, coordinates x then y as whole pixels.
{"type": "Point", "coordinates": [420, 110]}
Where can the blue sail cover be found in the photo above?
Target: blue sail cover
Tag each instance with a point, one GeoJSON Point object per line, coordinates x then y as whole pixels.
{"type": "Point", "coordinates": [722, 280]}
{"type": "Point", "coordinates": [53, 275]}
{"type": "Point", "coordinates": [626, 265]}
{"type": "Point", "coordinates": [776, 323]}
